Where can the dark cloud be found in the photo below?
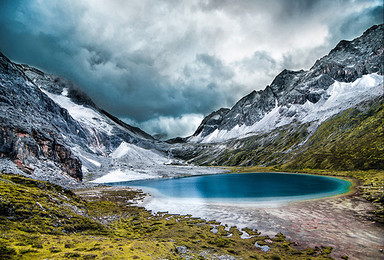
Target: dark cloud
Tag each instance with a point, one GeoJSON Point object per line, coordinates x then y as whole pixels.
{"type": "Point", "coordinates": [355, 23]}
{"type": "Point", "coordinates": [162, 65]}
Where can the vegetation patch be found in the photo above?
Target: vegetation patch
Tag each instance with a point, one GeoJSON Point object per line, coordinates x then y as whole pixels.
{"type": "Point", "coordinates": [39, 220]}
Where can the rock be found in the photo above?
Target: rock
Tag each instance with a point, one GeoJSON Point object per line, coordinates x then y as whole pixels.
{"type": "Point", "coordinates": [263, 248]}
{"type": "Point", "coordinates": [31, 124]}
{"type": "Point", "coordinates": [181, 249]}
{"type": "Point", "coordinates": [44, 140]}
{"type": "Point", "coordinates": [211, 122]}
{"type": "Point", "coordinates": [41, 207]}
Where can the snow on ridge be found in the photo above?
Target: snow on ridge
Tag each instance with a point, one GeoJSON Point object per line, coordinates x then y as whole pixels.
{"type": "Point", "coordinates": [65, 92]}
{"type": "Point", "coordinates": [86, 116]}
{"type": "Point", "coordinates": [121, 150]}
{"type": "Point", "coordinates": [339, 97]}
{"type": "Point", "coordinates": [137, 154]}
{"type": "Point", "coordinates": [96, 163]}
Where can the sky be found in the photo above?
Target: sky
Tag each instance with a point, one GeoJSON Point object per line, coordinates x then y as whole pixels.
{"type": "Point", "coordinates": [163, 65]}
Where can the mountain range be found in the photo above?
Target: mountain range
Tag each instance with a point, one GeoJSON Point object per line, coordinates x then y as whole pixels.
{"type": "Point", "coordinates": [328, 117]}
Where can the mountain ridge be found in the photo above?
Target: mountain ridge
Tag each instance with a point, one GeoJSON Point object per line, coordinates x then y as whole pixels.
{"type": "Point", "coordinates": [52, 131]}
{"type": "Point", "coordinates": [347, 62]}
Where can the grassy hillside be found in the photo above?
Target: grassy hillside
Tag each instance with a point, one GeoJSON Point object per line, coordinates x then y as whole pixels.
{"type": "Point", "coordinates": [350, 140]}
{"type": "Point", "coordinates": [266, 149]}
{"type": "Point", "coordinates": [43, 221]}
{"type": "Point", "coordinates": [350, 144]}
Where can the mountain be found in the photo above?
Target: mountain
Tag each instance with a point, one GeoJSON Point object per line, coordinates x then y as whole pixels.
{"type": "Point", "coordinates": [51, 130]}
{"type": "Point", "coordinates": [49, 123]}
{"type": "Point", "coordinates": [329, 117]}
{"type": "Point", "coordinates": [353, 139]}
{"type": "Point", "coordinates": [30, 121]}
{"type": "Point", "coordinates": [351, 73]}
{"type": "Point", "coordinates": [350, 140]}
{"type": "Point", "coordinates": [210, 122]}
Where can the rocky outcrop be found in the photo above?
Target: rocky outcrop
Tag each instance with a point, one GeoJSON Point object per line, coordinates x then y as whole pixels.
{"type": "Point", "coordinates": [25, 148]}
{"type": "Point", "coordinates": [32, 125]}
{"type": "Point", "coordinates": [98, 139]}
{"type": "Point", "coordinates": [51, 130]}
{"type": "Point", "coordinates": [211, 122]}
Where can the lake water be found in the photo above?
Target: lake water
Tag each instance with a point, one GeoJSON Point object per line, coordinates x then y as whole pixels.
{"type": "Point", "coordinates": [260, 201]}
{"type": "Point", "coordinates": [245, 188]}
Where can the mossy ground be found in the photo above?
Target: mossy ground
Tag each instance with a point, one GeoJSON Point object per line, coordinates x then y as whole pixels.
{"type": "Point", "coordinates": [39, 220]}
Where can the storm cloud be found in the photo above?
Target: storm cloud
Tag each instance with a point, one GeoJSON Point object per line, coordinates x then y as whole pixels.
{"type": "Point", "coordinates": [163, 65]}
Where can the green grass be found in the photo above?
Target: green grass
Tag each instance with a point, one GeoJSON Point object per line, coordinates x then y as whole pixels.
{"type": "Point", "coordinates": [352, 140]}
{"type": "Point", "coordinates": [39, 220]}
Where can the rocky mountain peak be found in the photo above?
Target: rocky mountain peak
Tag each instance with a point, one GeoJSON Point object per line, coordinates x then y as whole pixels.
{"type": "Point", "coordinates": [347, 62]}
{"type": "Point", "coordinates": [210, 122]}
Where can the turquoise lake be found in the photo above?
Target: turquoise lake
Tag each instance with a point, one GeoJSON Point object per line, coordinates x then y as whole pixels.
{"type": "Point", "coordinates": [245, 187]}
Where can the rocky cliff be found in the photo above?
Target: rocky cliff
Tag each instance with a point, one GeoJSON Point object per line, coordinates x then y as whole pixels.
{"type": "Point", "coordinates": [32, 125]}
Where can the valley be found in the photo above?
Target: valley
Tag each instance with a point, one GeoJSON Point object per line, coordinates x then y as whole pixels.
{"type": "Point", "coordinates": [58, 149]}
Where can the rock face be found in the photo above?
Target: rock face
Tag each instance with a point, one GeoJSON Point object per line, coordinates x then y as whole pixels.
{"type": "Point", "coordinates": [29, 122]}
{"type": "Point", "coordinates": [210, 122]}
{"type": "Point", "coordinates": [103, 131]}
{"type": "Point", "coordinates": [347, 62]}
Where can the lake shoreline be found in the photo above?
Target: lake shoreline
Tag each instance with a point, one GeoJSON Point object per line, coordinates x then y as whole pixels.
{"type": "Point", "coordinates": [337, 219]}
{"type": "Point", "coordinates": [342, 222]}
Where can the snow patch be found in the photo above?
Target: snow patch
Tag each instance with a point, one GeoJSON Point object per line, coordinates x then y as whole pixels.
{"type": "Point", "coordinates": [87, 117]}
{"type": "Point", "coordinates": [120, 151]}
{"type": "Point", "coordinates": [65, 92]}
{"type": "Point", "coordinates": [92, 161]}
{"type": "Point", "coordinates": [215, 117]}
{"type": "Point", "coordinates": [137, 155]}
{"type": "Point", "coordinates": [119, 176]}
{"type": "Point", "coordinates": [263, 248]}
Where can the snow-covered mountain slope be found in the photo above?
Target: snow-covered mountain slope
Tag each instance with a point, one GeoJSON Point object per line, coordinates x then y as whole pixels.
{"type": "Point", "coordinates": [338, 97]}
{"type": "Point", "coordinates": [81, 107]}
{"type": "Point", "coordinates": [53, 131]}
{"type": "Point", "coordinates": [351, 73]}
{"type": "Point", "coordinates": [350, 140]}
{"type": "Point", "coordinates": [129, 162]}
